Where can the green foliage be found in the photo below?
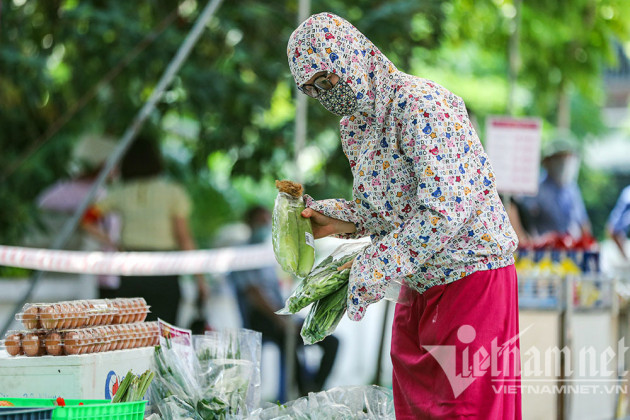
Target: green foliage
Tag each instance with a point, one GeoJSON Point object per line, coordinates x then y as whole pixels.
{"type": "Point", "coordinates": [228, 118]}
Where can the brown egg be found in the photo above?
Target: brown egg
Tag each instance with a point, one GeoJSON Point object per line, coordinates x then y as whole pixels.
{"type": "Point", "coordinates": [138, 335]}
{"type": "Point", "coordinates": [32, 345]}
{"type": "Point", "coordinates": [71, 342]}
{"type": "Point", "coordinates": [143, 310]}
{"type": "Point", "coordinates": [105, 338]}
{"type": "Point", "coordinates": [117, 310]}
{"type": "Point", "coordinates": [92, 314]}
{"type": "Point", "coordinates": [117, 337]}
{"type": "Point", "coordinates": [94, 342]}
{"type": "Point", "coordinates": [53, 343]}
{"type": "Point", "coordinates": [30, 317]}
{"type": "Point", "coordinates": [143, 334]}
{"type": "Point", "coordinates": [109, 312]}
{"type": "Point", "coordinates": [82, 313]}
{"type": "Point", "coordinates": [128, 311]}
{"type": "Point", "coordinates": [82, 343]}
{"type": "Point", "coordinates": [89, 345]}
{"type": "Point", "coordinates": [130, 337]}
{"type": "Point", "coordinates": [139, 310]}
{"type": "Point", "coordinates": [102, 344]}
{"type": "Point", "coordinates": [75, 314]}
{"type": "Point", "coordinates": [48, 317]}
{"type": "Point", "coordinates": [149, 335]}
{"type": "Point", "coordinates": [13, 344]}
{"type": "Point", "coordinates": [155, 333]}
{"type": "Point", "coordinates": [69, 315]}
{"type": "Point", "coordinates": [61, 314]}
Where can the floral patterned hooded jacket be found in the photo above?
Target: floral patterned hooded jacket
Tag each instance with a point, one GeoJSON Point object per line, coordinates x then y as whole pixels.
{"type": "Point", "coordinates": [423, 187]}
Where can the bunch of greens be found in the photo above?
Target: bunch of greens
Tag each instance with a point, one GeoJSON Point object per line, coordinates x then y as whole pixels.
{"type": "Point", "coordinates": [324, 280]}
{"type": "Point", "coordinates": [132, 387]}
{"type": "Point", "coordinates": [324, 316]}
{"type": "Point", "coordinates": [177, 393]}
{"type": "Point", "coordinates": [229, 363]}
{"type": "Point", "coordinates": [326, 287]}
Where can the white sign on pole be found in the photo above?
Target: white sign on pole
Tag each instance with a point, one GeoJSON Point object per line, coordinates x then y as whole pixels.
{"type": "Point", "coordinates": [513, 146]}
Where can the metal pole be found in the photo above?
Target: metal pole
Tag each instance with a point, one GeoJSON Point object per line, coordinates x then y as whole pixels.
{"type": "Point", "coordinates": [381, 344]}
{"type": "Point", "coordinates": [301, 110]}
{"type": "Point", "coordinates": [513, 57]}
{"type": "Point", "coordinates": [301, 116]}
{"type": "Point", "coordinates": [125, 141]}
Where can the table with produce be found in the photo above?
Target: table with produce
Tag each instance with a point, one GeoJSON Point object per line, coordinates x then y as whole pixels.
{"type": "Point", "coordinates": [99, 359]}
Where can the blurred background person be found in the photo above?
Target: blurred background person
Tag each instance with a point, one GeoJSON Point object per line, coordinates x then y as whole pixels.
{"type": "Point", "coordinates": [619, 221]}
{"type": "Point", "coordinates": [58, 202]}
{"type": "Point", "coordinates": [558, 208]}
{"type": "Point", "coordinates": [259, 294]}
{"type": "Point", "coordinates": [154, 216]}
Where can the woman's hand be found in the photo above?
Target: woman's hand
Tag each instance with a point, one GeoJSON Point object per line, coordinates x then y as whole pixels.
{"type": "Point", "coordinates": [325, 226]}
{"type": "Point", "coordinates": [346, 265]}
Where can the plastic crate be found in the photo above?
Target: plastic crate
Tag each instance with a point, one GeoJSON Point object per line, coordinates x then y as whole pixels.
{"type": "Point", "coordinates": [25, 413]}
{"type": "Point", "coordinates": [90, 410]}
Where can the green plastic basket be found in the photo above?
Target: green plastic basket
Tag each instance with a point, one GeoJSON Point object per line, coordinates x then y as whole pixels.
{"type": "Point", "coordinates": [90, 410]}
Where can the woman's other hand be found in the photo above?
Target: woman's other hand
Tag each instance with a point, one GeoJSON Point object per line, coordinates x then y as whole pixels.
{"type": "Point", "coordinates": [325, 226]}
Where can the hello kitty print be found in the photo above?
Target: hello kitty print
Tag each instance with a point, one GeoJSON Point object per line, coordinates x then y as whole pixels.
{"type": "Point", "coordinates": [423, 188]}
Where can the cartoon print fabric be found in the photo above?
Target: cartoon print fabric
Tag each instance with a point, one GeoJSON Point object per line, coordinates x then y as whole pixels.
{"type": "Point", "coordinates": [423, 187]}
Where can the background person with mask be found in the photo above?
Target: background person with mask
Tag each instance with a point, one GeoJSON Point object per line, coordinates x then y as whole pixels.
{"type": "Point", "coordinates": [558, 206]}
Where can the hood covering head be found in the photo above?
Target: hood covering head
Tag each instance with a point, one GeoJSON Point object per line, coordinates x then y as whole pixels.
{"type": "Point", "coordinates": [326, 42]}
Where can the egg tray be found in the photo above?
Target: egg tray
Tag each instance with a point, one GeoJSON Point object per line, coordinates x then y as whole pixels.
{"type": "Point", "coordinates": [83, 313]}
{"type": "Point", "coordinates": [41, 342]}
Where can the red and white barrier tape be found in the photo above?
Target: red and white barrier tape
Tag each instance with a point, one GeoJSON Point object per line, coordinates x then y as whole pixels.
{"type": "Point", "coordinates": [216, 261]}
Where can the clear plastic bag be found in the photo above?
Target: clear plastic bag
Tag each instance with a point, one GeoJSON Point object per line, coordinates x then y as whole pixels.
{"type": "Point", "coordinates": [221, 382]}
{"type": "Point", "coordinates": [324, 316]}
{"type": "Point", "coordinates": [229, 362]}
{"type": "Point", "coordinates": [292, 234]}
{"type": "Point", "coordinates": [369, 402]}
{"type": "Point", "coordinates": [324, 280]}
{"type": "Point", "coordinates": [327, 288]}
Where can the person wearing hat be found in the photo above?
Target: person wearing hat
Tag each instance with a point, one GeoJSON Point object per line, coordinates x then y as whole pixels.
{"type": "Point", "coordinates": [59, 201]}
{"type": "Point", "coordinates": [558, 206]}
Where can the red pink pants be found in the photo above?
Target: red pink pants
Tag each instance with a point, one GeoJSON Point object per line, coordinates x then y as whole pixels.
{"type": "Point", "coordinates": [455, 350]}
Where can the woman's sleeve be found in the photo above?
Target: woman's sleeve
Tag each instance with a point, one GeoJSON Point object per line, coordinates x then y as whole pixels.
{"type": "Point", "coordinates": [446, 186]}
{"type": "Point", "coordinates": [342, 210]}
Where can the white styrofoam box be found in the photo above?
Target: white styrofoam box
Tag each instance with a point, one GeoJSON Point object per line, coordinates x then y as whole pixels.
{"type": "Point", "coordinates": [85, 376]}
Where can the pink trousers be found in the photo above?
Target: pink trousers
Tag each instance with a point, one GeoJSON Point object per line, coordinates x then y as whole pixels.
{"type": "Point", "coordinates": [455, 350]}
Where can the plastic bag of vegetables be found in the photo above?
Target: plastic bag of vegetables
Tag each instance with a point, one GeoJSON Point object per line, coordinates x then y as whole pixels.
{"type": "Point", "coordinates": [177, 394]}
{"type": "Point", "coordinates": [292, 234]}
{"type": "Point", "coordinates": [324, 279]}
{"type": "Point", "coordinates": [369, 402]}
{"type": "Point", "coordinates": [229, 363]}
{"type": "Point", "coordinates": [324, 316]}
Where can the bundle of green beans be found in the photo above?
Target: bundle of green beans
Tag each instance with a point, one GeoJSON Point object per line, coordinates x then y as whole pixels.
{"type": "Point", "coordinates": [323, 280]}
{"type": "Point", "coordinates": [324, 316]}
{"type": "Point", "coordinates": [132, 387]}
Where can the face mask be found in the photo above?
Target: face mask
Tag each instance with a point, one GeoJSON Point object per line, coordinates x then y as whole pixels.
{"type": "Point", "coordinates": [340, 100]}
{"type": "Point", "coordinates": [564, 171]}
